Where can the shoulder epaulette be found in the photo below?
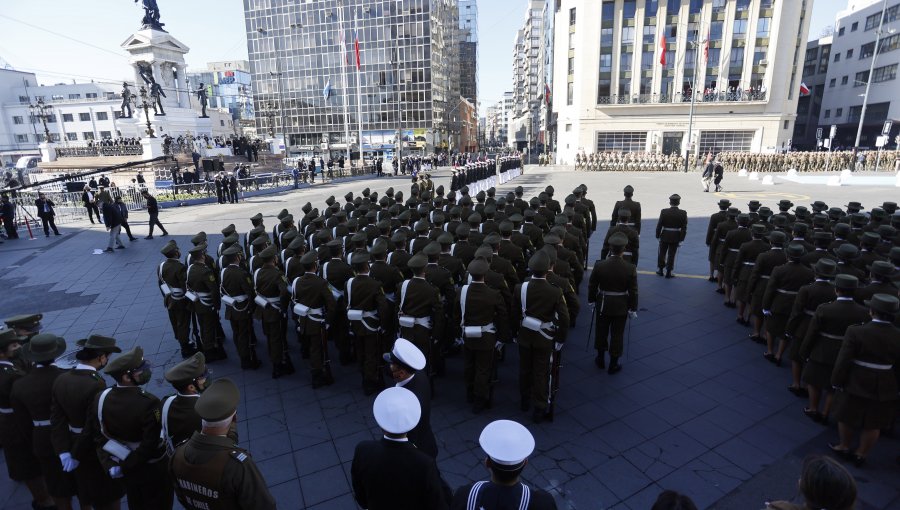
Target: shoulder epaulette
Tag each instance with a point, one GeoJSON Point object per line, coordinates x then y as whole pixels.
{"type": "Point", "coordinates": [239, 456]}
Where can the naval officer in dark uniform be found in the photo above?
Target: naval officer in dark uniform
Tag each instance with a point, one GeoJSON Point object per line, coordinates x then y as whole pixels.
{"type": "Point", "coordinates": [209, 471]}
{"type": "Point", "coordinates": [507, 445]}
{"type": "Point", "coordinates": [407, 363]}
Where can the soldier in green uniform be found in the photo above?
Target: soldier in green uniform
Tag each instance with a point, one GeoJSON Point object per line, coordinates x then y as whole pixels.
{"type": "Point", "coordinates": [613, 286]}
{"type": "Point", "coordinates": [482, 315]}
{"type": "Point", "coordinates": [272, 298]}
{"type": "Point", "coordinates": [124, 421]}
{"type": "Point", "coordinates": [30, 400]}
{"type": "Point", "coordinates": [178, 418]}
{"type": "Point", "coordinates": [390, 278]}
{"type": "Point", "coordinates": [809, 298]}
{"type": "Point", "coordinates": [366, 308]}
{"type": "Point", "coordinates": [238, 296]}
{"type": "Point", "coordinates": [541, 312]}
{"type": "Point", "coordinates": [316, 309]}
{"type": "Point", "coordinates": [203, 291]}
{"type": "Point", "coordinates": [626, 228]}
{"type": "Point", "coordinates": [21, 463]}
{"type": "Point", "coordinates": [711, 239]}
{"type": "Point", "coordinates": [209, 471]}
{"type": "Point", "coordinates": [633, 207]}
{"type": "Point", "coordinates": [670, 230]}
{"type": "Point", "coordinates": [420, 310]}
{"type": "Point", "coordinates": [728, 254]}
{"type": "Point", "coordinates": [25, 325]}
{"type": "Point", "coordinates": [336, 272]}
{"type": "Point", "coordinates": [742, 269]}
{"type": "Point", "coordinates": [778, 301]}
{"type": "Point", "coordinates": [172, 279]}
{"type": "Point", "coordinates": [72, 395]}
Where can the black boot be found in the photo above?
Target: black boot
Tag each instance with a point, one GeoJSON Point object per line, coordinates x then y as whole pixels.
{"type": "Point", "coordinates": [188, 350]}
{"type": "Point", "coordinates": [288, 365]}
{"type": "Point", "coordinates": [250, 363]}
{"type": "Point", "coordinates": [614, 366]}
{"type": "Point", "coordinates": [669, 274]}
{"type": "Point", "coordinates": [600, 359]}
{"type": "Point", "coordinates": [214, 355]}
{"type": "Point", "coordinates": [659, 271]}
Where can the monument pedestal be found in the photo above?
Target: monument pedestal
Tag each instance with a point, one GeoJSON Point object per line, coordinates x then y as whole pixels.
{"type": "Point", "coordinates": [153, 147]}
{"type": "Point", "coordinates": [48, 152]}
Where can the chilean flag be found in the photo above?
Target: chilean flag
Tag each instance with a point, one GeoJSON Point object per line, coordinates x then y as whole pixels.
{"type": "Point", "coordinates": [356, 48]}
{"type": "Point", "coordinates": [547, 93]}
{"type": "Point", "coordinates": [706, 48]}
{"type": "Point", "coordinates": [662, 51]}
{"type": "Point", "coordinates": [804, 90]}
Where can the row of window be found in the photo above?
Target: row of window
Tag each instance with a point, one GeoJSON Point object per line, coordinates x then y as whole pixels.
{"type": "Point", "coordinates": [872, 22]}
{"type": "Point", "coordinates": [70, 137]}
{"type": "Point", "coordinates": [629, 7]}
{"type": "Point", "coordinates": [60, 97]}
{"type": "Point", "coordinates": [710, 141]}
{"type": "Point", "coordinates": [881, 74]}
{"type": "Point", "coordinates": [875, 112]}
{"type": "Point", "coordinates": [66, 117]}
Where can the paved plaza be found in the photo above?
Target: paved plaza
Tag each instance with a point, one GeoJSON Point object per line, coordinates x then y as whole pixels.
{"type": "Point", "coordinates": [696, 408]}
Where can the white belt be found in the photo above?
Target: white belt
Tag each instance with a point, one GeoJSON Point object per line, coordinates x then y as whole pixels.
{"type": "Point", "coordinates": [765, 277]}
{"type": "Point", "coordinates": [392, 297]}
{"type": "Point", "coordinates": [241, 298]}
{"type": "Point", "coordinates": [734, 249]}
{"type": "Point", "coordinates": [487, 328]}
{"type": "Point", "coordinates": [408, 321]}
{"type": "Point", "coordinates": [272, 300]}
{"type": "Point", "coordinates": [670, 229]}
{"type": "Point", "coordinates": [534, 324]}
{"type": "Point", "coordinates": [75, 430]}
{"type": "Point", "coordinates": [788, 292]}
{"type": "Point", "coordinates": [176, 293]}
{"type": "Point", "coordinates": [833, 337]}
{"type": "Point", "coordinates": [627, 253]}
{"type": "Point", "coordinates": [41, 423]}
{"type": "Point", "coordinates": [335, 292]}
{"type": "Point", "coordinates": [809, 312]}
{"type": "Point", "coordinates": [873, 366]}
{"type": "Point", "coordinates": [749, 263]}
{"type": "Point", "coordinates": [5, 410]}
{"type": "Point", "coordinates": [605, 293]}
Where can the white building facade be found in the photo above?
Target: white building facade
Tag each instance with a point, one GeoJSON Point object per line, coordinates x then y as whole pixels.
{"type": "Point", "coordinates": [848, 72]}
{"type": "Point", "coordinates": [528, 68]}
{"type": "Point", "coordinates": [612, 91]}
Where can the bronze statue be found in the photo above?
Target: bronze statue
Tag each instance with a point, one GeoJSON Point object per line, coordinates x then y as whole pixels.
{"type": "Point", "coordinates": [151, 15]}
{"type": "Point", "coordinates": [156, 94]}
{"type": "Point", "coordinates": [145, 70]}
{"type": "Point", "coordinates": [204, 101]}
{"type": "Point", "coordinates": [126, 100]}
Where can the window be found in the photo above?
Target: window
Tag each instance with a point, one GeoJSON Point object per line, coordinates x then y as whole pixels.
{"type": "Point", "coordinates": [872, 21]}
{"type": "Point", "coordinates": [886, 73]}
{"type": "Point", "coordinates": [725, 141]}
{"type": "Point", "coordinates": [672, 7]}
{"type": "Point", "coordinates": [105, 134]}
{"type": "Point", "coordinates": [67, 117]}
{"type": "Point", "coordinates": [571, 65]}
{"type": "Point", "coordinates": [715, 30]}
{"type": "Point", "coordinates": [18, 119]}
{"type": "Point", "coordinates": [102, 116]}
{"type": "Point", "coordinates": [627, 35]}
{"type": "Point", "coordinates": [759, 54]}
{"type": "Point", "coordinates": [862, 78]}
{"type": "Point", "coordinates": [649, 34]}
{"type": "Point", "coordinates": [51, 119]}
{"type": "Point", "coordinates": [56, 97]}
{"type": "Point", "coordinates": [629, 9]}
{"type": "Point", "coordinates": [889, 44]}
{"type": "Point", "coordinates": [854, 27]}
{"type": "Point", "coordinates": [875, 112]}
{"type": "Point", "coordinates": [625, 61]}
{"type": "Point", "coordinates": [605, 62]}
{"type": "Point", "coordinates": [88, 135]}
{"type": "Point", "coordinates": [570, 93]}
{"type": "Point", "coordinates": [695, 6]}
{"type": "Point", "coordinates": [571, 40]}
{"type": "Point", "coordinates": [867, 50]}
{"type": "Point", "coordinates": [839, 112]}
{"type": "Point", "coordinates": [841, 32]}
{"type": "Point", "coordinates": [844, 80]}
{"type": "Point", "coordinates": [743, 5]}
{"type": "Point", "coordinates": [647, 61]}
{"type": "Point", "coordinates": [21, 138]}
{"type": "Point", "coordinates": [608, 11]}
{"type": "Point", "coordinates": [787, 124]}
{"type": "Point", "coordinates": [568, 128]}
{"type": "Point", "coordinates": [571, 16]}
{"type": "Point", "coordinates": [84, 117]}
{"type": "Point", "coordinates": [74, 96]}
{"type": "Point", "coordinates": [24, 99]}
{"type": "Point", "coordinates": [72, 137]}
{"type": "Point", "coordinates": [606, 36]}
{"type": "Point", "coordinates": [827, 114]}
{"type": "Point", "coordinates": [621, 141]}
{"type": "Point", "coordinates": [740, 28]}
{"type": "Point", "coordinates": [737, 57]}
{"type": "Point", "coordinates": [849, 54]}
{"type": "Point", "coordinates": [762, 27]}
{"type": "Point", "coordinates": [832, 83]}
{"type": "Point", "coordinates": [650, 8]}
{"type": "Point", "coordinates": [90, 95]}
{"type": "Point", "coordinates": [837, 57]}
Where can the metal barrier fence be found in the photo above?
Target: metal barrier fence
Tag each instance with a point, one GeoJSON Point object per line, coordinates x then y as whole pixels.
{"type": "Point", "coordinates": [69, 207]}
{"type": "Point", "coordinates": [680, 97]}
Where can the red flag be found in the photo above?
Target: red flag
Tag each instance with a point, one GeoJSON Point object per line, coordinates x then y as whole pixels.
{"type": "Point", "coordinates": [706, 49]}
{"type": "Point", "coordinates": [662, 51]}
{"type": "Point", "coordinates": [356, 48]}
{"type": "Point", "coordinates": [547, 93]}
{"type": "Point", "coordinates": [804, 90]}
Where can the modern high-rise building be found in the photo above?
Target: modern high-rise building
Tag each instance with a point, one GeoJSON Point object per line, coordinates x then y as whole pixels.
{"type": "Point", "coordinates": [547, 120]}
{"type": "Point", "coordinates": [403, 78]}
{"type": "Point", "coordinates": [528, 68]}
{"type": "Point", "coordinates": [227, 87]}
{"type": "Point", "coordinates": [839, 68]}
{"type": "Point", "coordinates": [468, 50]}
{"type": "Point", "coordinates": [627, 71]}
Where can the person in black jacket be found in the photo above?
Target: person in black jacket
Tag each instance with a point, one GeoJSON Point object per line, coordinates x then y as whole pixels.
{"type": "Point", "coordinates": [392, 473]}
{"type": "Point", "coordinates": [153, 211]}
{"type": "Point", "coordinates": [46, 213]}
{"type": "Point", "coordinates": [406, 363]}
{"type": "Point", "coordinates": [113, 220]}
{"type": "Point", "coordinates": [8, 213]}
{"type": "Point", "coordinates": [123, 211]}
{"type": "Point", "coordinates": [89, 198]}
{"type": "Point", "coordinates": [719, 172]}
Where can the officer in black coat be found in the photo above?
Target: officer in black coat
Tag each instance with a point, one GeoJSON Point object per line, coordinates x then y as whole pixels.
{"type": "Point", "coordinates": [392, 473]}
{"type": "Point", "coordinates": [670, 230]}
{"type": "Point", "coordinates": [406, 363]}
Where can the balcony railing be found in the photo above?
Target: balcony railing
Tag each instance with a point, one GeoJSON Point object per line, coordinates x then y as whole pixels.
{"type": "Point", "coordinates": [87, 150]}
{"type": "Point", "coordinates": [679, 97]}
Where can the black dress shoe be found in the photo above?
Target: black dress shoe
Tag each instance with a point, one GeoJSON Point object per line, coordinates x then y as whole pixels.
{"type": "Point", "coordinates": [600, 361]}
{"type": "Point", "coordinates": [188, 350]}
{"type": "Point", "coordinates": [149, 237]}
{"type": "Point", "coordinates": [669, 274]}
{"type": "Point", "coordinates": [538, 415]}
{"type": "Point", "coordinates": [711, 279]}
{"type": "Point", "coordinates": [659, 272]}
{"type": "Point", "coordinates": [720, 291]}
{"type": "Point", "coordinates": [614, 366]}
{"type": "Point", "coordinates": [842, 454]}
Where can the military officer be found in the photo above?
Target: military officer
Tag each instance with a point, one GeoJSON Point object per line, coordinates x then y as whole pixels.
{"type": "Point", "coordinates": [728, 254]}
{"type": "Point", "coordinates": [420, 310]}
{"type": "Point", "coordinates": [711, 239]}
{"type": "Point", "coordinates": [366, 308]}
{"type": "Point", "coordinates": [742, 269]}
{"type": "Point", "coordinates": [25, 325]}
{"type": "Point", "coordinates": [390, 278]}
{"type": "Point", "coordinates": [633, 207]}
{"type": "Point", "coordinates": [865, 374]}
{"type": "Point", "coordinates": [21, 463]}
{"type": "Point", "coordinates": [670, 230]}
{"type": "Point", "coordinates": [508, 445]}
{"type": "Point", "coordinates": [613, 284]}
{"type": "Point", "coordinates": [30, 400]}
{"type": "Point", "coordinates": [178, 418]}
{"type": "Point", "coordinates": [809, 298]}
{"type": "Point", "coordinates": [172, 279]}
{"type": "Point", "coordinates": [124, 421]}
{"type": "Point", "coordinates": [210, 471]}
{"type": "Point", "coordinates": [481, 313]}
{"type": "Point", "coordinates": [315, 308]}
{"type": "Point", "coordinates": [407, 366]}
{"type": "Point", "coordinates": [238, 296]}
{"type": "Point", "coordinates": [392, 472]}
{"type": "Point", "coordinates": [203, 290]}
{"type": "Point", "coordinates": [272, 299]}
{"type": "Point", "coordinates": [541, 311]}
{"type": "Point", "coordinates": [718, 245]}
{"type": "Point", "coordinates": [778, 301]}
{"type": "Point", "coordinates": [624, 226]}
{"type": "Point", "coordinates": [72, 394]}
{"type": "Point", "coordinates": [336, 272]}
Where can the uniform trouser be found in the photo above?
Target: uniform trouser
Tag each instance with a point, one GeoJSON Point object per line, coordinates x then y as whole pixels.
{"type": "Point", "coordinates": [209, 324]}
{"type": "Point", "coordinates": [611, 334]}
{"type": "Point", "coordinates": [240, 331]}
{"type": "Point", "coordinates": [114, 237]}
{"type": "Point", "coordinates": [180, 318]}
{"type": "Point", "coordinates": [48, 223]}
{"type": "Point", "coordinates": [92, 210]}
{"type": "Point", "coordinates": [369, 353]}
{"type": "Point", "coordinates": [666, 255]}
{"type": "Point", "coordinates": [318, 345]}
{"type": "Point", "coordinates": [478, 372]}
{"type": "Point", "coordinates": [340, 332]}
{"type": "Point", "coordinates": [420, 336]}
{"type": "Point", "coordinates": [127, 229]}
{"type": "Point", "coordinates": [274, 331]}
{"type": "Point", "coordinates": [148, 487]}
{"type": "Point", "coordinates": [95, 487]}
{"type": "Point", "coordinates": [534, 373]}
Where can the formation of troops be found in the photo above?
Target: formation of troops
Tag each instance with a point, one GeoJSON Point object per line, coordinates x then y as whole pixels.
{"type": "Point", "coordinates": [818, 287]}
{"type": "Point", "coordinates": [735, 161]}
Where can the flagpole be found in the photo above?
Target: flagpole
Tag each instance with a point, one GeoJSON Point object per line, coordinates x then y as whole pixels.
{"type": "Point", "coordinates": [344, 79]}
{"type": "Point", "coordinates": [687, 153]}
{"type": "Point", "coordinates": [358, 90]}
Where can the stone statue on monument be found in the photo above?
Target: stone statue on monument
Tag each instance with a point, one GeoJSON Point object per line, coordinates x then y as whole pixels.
{"type": "Point", "coordinates": [156, 94]}
{"type": "Point", "coordinates": [126, 100]}
{"type": "Point", "coordinates": [204, 100]}
{"type": "Point", "coordinates": [151, 15]}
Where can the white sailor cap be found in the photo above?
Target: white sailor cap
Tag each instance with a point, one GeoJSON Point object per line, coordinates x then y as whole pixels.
{"type": "Point", "coordinates": [507, 443]}
{"type": "Point", "coordinates": [397, 410]}
{"type": "Point", "coordinates": [405, 353]}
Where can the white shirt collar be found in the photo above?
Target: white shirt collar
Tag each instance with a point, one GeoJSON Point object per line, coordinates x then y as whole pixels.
{"type": "Point", "coordinates": [844, 299]}
{"type": "Point", "coordinates": [880, 321]}
{"type": "Point", "coordinates": [397, 439]}
{"type": "Point", "coordinates": [405, 381]}
{"type": "Point", "coordinates": [82, 366]}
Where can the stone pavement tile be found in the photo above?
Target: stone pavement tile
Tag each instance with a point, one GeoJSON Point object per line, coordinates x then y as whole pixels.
{"type": "Point", "coordinates": [265, 425]}
{"type": "Point", "coordinates": [690, 482]}
{"type": "Point", "coordinates": [746, 456]}
{"type": "Point", "coordinates": [770, 438]}
{"type": "Point", "coordinates": [288, 495]}
{"type": "Point", "coordinates": [645, 498]}
{"type": "Point", "coordinates": [586, 491]}
{"type": "Point", "coordinates": [646, 458]}
{"type": "Point", "coordinates": [278, 469]}
{"type": "Point", "coordinates": [647, 422]}
{"type": "Point", "coordinates": [261, 406]}
{"type": "Point", "coordinates": [270, 446]}
{"type": "Point", "coordinates": [718, 471]}
{"type": "Point", "coordinates": [619, 436]}
{"type": "Point", "coordinates": [324, 485]}
{"type": "Point", "coordinates": [339, 503]}
{"type": "Point", "coordinates": [677, 448]}
{"type": "Point", "coordinates": [706, 431]}
{"type": "Point", "coordinates": [347, 444]}
{"type": "Point", "coordinates": [315, 458]}
{"type": "Point", "coordinates": [621, 478]}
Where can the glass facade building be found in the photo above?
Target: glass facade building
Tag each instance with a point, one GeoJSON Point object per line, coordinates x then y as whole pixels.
{"type": "Point", "coordinates": [303, 64]}
{"type": "Point", "coordinates": [468, 50]}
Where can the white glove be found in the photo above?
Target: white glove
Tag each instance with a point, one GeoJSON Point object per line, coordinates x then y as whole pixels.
{"type": "Point", "coordinates": [68, 463]}
{"type": "Point", "coordinates": [498, 345]}
{"type": "Point", "coordinates": [632, 314]}
{"type": "Point", "coordinates": [557, 346]}
{"type": "Point", "coordinates": [115, 472]}
{"type": "Point", "coordinates": [767, 312]}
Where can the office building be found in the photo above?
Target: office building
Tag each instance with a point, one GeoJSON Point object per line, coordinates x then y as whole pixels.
{"type": "Point", "coordinates": [547, 120]}
{"type": "Point", "coordinates": [303, 64]}
{"type": "Point", "coordinates": [847, 72]}
{"type": "Point", "coordinates": [527, 81]}
{"type": "Point", "coordinates": [228, 87]}
{"type": "Point", "coordinates": [625, 73]}
{"type": "Point", "coordinates": [468, 50]}
{"type": "Point", "coordinates": [809, 106]}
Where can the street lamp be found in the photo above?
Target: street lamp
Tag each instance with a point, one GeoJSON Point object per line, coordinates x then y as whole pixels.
{"type": "Point", "coordinates": [146, 106]}
{"type": "Point", "coordinates": [862, 113]}
{"type": "Point", "coordinates": [42, 111]}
